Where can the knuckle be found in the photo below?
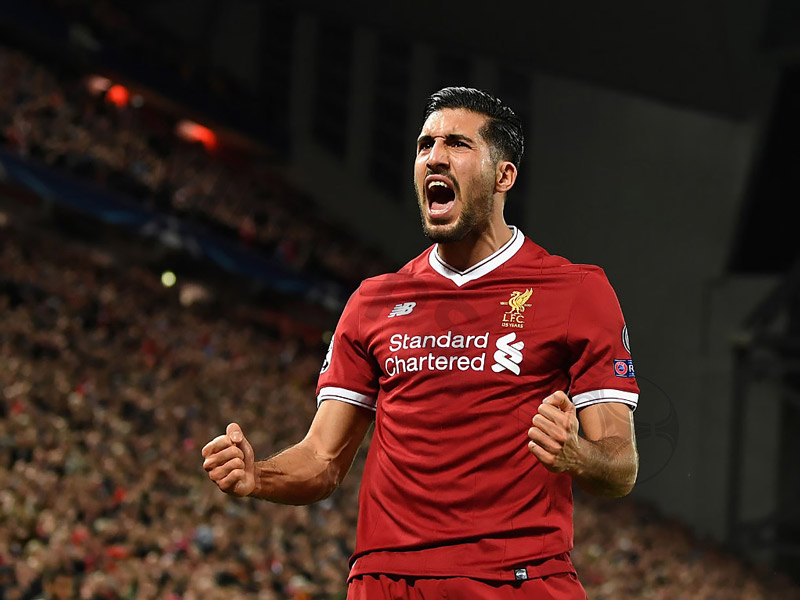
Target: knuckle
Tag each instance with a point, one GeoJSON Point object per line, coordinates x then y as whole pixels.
{"type": "Point", "coordinates": [228, 482]}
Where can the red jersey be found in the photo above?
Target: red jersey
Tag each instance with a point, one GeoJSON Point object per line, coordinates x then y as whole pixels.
{"type": "Point", "coordinates": [455, 364]}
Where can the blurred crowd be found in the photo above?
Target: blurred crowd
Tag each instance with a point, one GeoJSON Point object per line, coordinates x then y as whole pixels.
{"type": "Point", "coordinates": [109, 388]}
{"type": "Point", "coordinates": [625, 550]}
{"type": "Point", "coordinates": [54, 117]}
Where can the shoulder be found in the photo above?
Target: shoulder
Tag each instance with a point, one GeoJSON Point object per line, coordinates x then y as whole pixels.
{"type": "Point", "coordinates": [418, 265]}
{"type": "Point", "coordinates": [408, 273]}
{"type": "Point", "coordinates": [553, 265]}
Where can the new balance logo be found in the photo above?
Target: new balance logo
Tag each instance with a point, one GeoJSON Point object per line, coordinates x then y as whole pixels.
{"type": "Point", "coordinates": [402, 309]}
{"type": "Point", "coordinates": [508, 355]}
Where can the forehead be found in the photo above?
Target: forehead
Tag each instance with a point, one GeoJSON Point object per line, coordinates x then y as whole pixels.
{"type": "Point", "coordinates": [454, 121]}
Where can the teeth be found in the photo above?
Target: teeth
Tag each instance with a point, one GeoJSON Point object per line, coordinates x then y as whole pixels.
{"type": "Point", "coordinates": [437, 182]}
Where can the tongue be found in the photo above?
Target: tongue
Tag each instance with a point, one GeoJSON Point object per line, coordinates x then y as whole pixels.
{"type": "Point", "coordinates": [440, 206]}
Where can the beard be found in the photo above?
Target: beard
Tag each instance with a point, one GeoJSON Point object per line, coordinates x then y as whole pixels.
{"type": "Point", "coordinates": [475, 215]}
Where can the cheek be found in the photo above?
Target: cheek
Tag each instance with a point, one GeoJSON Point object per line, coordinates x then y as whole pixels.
{"type": "Point", "coordinates": [419, 170]}
{"type": "Point", "coordinates": [488, 174]}
{"type": "Point", "coordinates": [481, 180]}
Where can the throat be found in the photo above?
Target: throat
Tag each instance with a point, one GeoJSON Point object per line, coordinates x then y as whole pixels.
{"type": "Point", "coordinates": [473, 248]}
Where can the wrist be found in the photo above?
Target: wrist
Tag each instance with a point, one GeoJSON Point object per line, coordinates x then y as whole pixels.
{"type": "Point", "coordinates": [604, 468]}
{"type": "Point", "coordinates": [577, 465]}
{"type": "Point", "coordinates": [257, 483]}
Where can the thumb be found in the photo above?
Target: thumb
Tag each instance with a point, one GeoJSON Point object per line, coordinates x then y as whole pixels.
{"type": "Point", "coordinates": [234, 432]}
{"type": "Point", "coordinates": [559, 400]}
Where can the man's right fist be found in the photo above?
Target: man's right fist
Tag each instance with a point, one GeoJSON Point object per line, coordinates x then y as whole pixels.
{"type": "Point", "coordinates": [229, 462]}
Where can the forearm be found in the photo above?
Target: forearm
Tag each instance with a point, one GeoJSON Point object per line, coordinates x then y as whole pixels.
{"type": "Point", "coordinates": [297, 475]}
{"type": "Point", "coordinates": [302, 474]}
{"type": "Point", "coordinates": [606, 467]}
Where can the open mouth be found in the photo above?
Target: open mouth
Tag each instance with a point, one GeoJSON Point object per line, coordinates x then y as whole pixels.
{"type": "Point", "coordinates": [440, 194]}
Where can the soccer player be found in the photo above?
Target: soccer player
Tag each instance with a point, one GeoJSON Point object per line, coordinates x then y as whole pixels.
{"type": "Point", "coordinates": [479, 362]}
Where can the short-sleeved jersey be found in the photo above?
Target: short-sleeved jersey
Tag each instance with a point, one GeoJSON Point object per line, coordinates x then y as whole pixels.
{"type": "Point", "coordinates": [455, 364]}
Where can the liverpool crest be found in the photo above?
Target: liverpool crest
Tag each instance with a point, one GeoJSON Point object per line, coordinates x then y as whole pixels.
{"type": "Point", "coordinates": [517, 304]}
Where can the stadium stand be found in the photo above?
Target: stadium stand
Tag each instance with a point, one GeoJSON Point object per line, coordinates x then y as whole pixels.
{"type": "Point", "coordinates": [135, 152]}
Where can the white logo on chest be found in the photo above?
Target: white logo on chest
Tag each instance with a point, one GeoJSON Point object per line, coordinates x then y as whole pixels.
{"type": "Point", "coordinates": [402, 309]}
{"type": "Point", "coordinates": [508, 355]}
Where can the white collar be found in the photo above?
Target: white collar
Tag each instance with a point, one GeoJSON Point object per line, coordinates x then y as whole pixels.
{"type": "Point", "coordinates": [476, 271]}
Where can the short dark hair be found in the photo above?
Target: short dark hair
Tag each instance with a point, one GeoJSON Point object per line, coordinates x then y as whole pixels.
{"type": "Point", "coordinates": [503, 131]}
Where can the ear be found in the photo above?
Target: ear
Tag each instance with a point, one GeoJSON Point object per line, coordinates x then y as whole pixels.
{"type": "Point", "coordinates": [505, 177]}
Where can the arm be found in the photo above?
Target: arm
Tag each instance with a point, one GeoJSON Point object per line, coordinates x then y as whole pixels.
{"type": "Point", "coordinates": [605, 461]}
{"type": "Point", "coordinates": [304, 473]}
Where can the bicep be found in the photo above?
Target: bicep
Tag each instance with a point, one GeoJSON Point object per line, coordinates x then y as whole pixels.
{"type": "Point", "coordinates": [606, 420]}
{"type": "Point", "coordinates": [337, 431]}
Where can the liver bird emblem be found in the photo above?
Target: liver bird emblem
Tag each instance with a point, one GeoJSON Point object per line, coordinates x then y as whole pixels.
{"type": "Point", "coordinates": [518, 300]}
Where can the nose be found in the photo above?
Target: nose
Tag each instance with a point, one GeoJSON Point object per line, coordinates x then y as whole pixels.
{"type": "Point", "coordinates": [438, 156]}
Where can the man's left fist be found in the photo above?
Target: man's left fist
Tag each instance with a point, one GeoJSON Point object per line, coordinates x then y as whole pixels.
{"type": "Point", "coordinates": [554, 436]}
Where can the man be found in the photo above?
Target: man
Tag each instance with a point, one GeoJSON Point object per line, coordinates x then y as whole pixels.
{"type": "Point", "coordinates": [465, 357]}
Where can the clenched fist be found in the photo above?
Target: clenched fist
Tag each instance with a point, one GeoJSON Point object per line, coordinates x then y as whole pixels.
{"type": "Point", "coordinates": [229, 462]}
{"type": "Point", "coordinates": [554, 436]}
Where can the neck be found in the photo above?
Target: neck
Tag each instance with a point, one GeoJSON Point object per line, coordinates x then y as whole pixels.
{"type": "Point", "coordinates": [475, 247]}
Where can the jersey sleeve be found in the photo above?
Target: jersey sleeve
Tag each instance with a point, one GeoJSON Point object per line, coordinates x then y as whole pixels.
{"type": "Point", "coordinates": [349, 374]}
{"type": "Point", "coordinates": [601, 367]}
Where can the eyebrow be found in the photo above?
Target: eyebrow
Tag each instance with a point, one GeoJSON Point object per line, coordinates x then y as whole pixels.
{"type": "Point", "coordinates": [450, 138]}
